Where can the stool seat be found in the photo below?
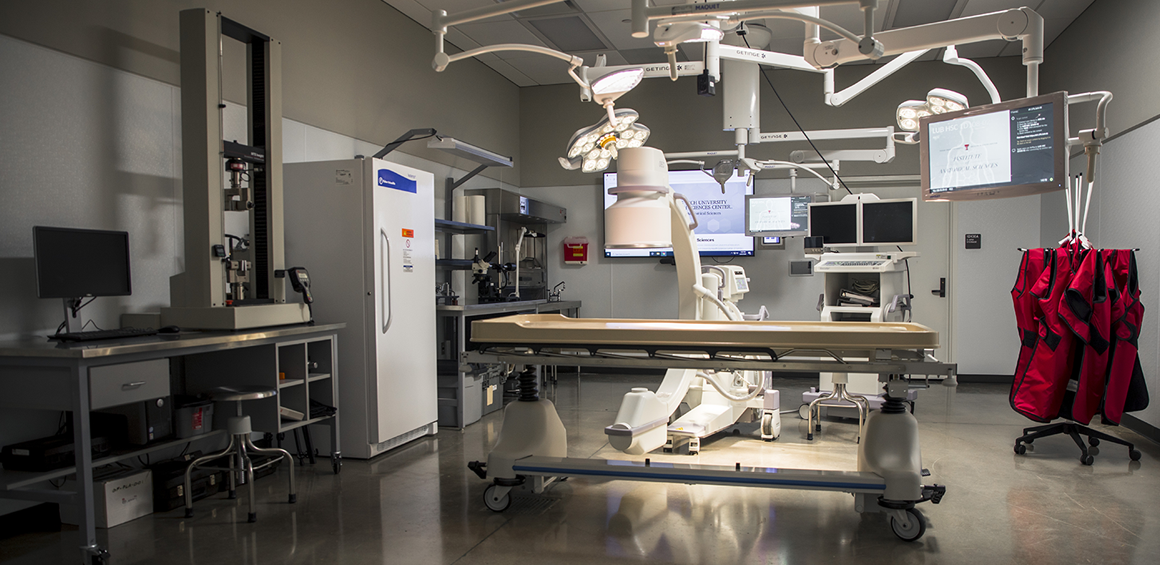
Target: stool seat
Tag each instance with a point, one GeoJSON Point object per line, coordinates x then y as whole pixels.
{"type": "Point", "coordinates": [235, 393]}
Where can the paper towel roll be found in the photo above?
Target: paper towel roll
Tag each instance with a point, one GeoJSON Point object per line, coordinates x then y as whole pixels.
{"type": "Point", "coordinates": [459, 210]}
{"type": "Point", "coordinates": [477, 209]}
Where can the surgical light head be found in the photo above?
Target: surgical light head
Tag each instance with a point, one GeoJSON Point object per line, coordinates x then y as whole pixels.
{"type": "Point", "coordinates": [592, 149]}
{"type": "Point", "coordinates": [938, 101]}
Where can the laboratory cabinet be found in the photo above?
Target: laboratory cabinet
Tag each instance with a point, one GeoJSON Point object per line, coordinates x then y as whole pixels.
{"type": "Point", "coordinates": [364, 229]}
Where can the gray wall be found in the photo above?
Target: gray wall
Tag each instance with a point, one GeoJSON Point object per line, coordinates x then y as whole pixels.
{"type": "Point", "coordinates": [356, 67]}
{"type": "Point", "coordinates": [1105, 49]}
{"type": "Point", "coordinates": [1111, 46]}
{"type": "Point", "coordinates": [88, 145]}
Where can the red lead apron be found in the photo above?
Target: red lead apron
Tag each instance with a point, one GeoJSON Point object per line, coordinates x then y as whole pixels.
{"type": "Point", "coordinates": [1087, 310]}
{"type": "Point", "coordinates": [1038, 390]}
{"type": "Point", "coordinates": [1126, 390]}
{"type": "Point", "coordinates": [1030, 268]}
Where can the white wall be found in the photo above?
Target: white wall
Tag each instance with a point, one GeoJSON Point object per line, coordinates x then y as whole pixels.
{"type": "Point", "coordinates": [87, 145]}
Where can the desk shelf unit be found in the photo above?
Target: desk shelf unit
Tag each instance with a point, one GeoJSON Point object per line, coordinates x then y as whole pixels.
{"type": "Point", "coordinates": [308, 368]}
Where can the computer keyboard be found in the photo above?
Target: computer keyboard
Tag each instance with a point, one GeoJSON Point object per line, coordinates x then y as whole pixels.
{"type": "Point", "coordinates": [103, 334]}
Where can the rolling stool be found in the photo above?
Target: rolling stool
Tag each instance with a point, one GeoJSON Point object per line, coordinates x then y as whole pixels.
{"type": "Point", "coordinates": [839, 394]}
{"type": "Point", "coordinates": [240, 445]}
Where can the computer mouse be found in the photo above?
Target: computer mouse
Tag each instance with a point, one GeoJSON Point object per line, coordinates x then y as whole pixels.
{"type": "Point", "coordinates": [169, 330]}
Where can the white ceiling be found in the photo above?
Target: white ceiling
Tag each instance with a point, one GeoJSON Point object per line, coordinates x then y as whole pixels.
{"type": "Point", "coordinates": [600, 26]}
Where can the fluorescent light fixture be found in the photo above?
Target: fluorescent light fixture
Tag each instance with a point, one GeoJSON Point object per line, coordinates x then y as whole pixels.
{"type": "Point", "coordinates": [941, 101]}
{"type": "Point", "coordinates": [592, 149]}
{"type": "Point", "coordinates": [938, 101]}
{"type": "Point", "coordinates": [469, 151]}
{"type": "Point", "coordinates": [671, 35]}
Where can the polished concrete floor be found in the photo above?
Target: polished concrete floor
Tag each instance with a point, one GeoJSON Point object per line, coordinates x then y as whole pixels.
{"type": "Point", "coordinates": [419, 504]}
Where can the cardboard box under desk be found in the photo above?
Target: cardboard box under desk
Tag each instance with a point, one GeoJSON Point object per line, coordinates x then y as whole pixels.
{"type": "Point", "coordinates": [119, 495]}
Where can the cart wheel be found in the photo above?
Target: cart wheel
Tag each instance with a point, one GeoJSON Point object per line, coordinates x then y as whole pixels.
{"type": "Point", "coordinates": [1094, 451]}
{"type": "Point", "coordinates": [804, 411]}
{"type": "Point", "coordinates": [100, 557]}
{"type": "Point", "coordinates": [494, 504]}
{"type": "Point", "coordinates": [1020, 449]}
{"type": "Point", "coordinates": [912, 530]}
{"type": "Point", "coordinates": [1087, 459]}
{"type": "Point", "coordinates": [767, 427]}
{"type": "Point", "coordinates": [1092, 441]}
{"type": "Point", "coordinates": [1134, 454]}
{"type": "Point", "coordinates": [336, 463]}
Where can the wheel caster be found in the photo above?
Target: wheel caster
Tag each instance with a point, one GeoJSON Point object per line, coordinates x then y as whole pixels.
{"type": "Point", "coordinates": [496, 504]}
{"type": "Point", "coordinates": [336, 463]}
{"type": "Point", "coordinates": [1093, 441]}
{"type": "Point", "coordinates": [99, 556]}
{"type": "Point", "coordinates": [915, 527]}
{"type": "Point", "coordinates": [253, 517]}
{"type": "Point", "coordinates": [1134, 454]}
{"type": "Point", "coordinates": [768, 433]}
{"type": "Point", "coordinates": [1087, 459]}
{"type": "Point", "coordinates": [1020, 449]}
{"type": "Point", "coordinates": [1094, 450]}
{"type": "Point", "coordinates": [804, 411]}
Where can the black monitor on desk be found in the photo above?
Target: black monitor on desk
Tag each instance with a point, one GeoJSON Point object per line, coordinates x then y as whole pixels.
{"type": "Point", "coordinates": [77, 263]}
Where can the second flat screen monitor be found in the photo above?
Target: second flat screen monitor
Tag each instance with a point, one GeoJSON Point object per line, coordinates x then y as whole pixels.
{"type": "Point", "coordinates": [836, 223]}
{"type": "Point", "coordinates": [889, 222]}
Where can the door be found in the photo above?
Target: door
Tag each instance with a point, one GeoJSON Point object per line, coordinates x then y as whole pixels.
{"type": "Point", "coordinates": [404, 287]}
{"type": "Point", "coordinates": [930, 271]}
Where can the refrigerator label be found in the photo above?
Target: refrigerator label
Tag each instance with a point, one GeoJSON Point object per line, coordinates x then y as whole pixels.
{"type": "Point", "coordinates": [408, 233]}
{"type": "Point", "coordinates": [408, 264]}
{"type": "Point", "coordinates": [343, 176]}
{"type": "Point", "coordinates": [391, 179]}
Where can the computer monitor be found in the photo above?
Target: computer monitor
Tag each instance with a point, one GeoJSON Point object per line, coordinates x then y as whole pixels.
{"type": "Point", "coordinates": [1014, 148]}
{"type": "Point", "coordinates": [72, 263]}
{"type": "Point", "coordinates": [890, 222]}
{"type": "Point", "coordinates": [835, 222]}
{"type": "Point", "coordinates": [777, 215]}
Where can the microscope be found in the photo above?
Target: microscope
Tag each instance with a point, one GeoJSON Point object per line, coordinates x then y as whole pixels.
{"type": "Point", "coordinates": [488, 290]}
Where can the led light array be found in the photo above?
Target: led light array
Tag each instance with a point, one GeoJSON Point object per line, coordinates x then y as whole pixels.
{"type": "Point", "coordinates": [938, 101]}
{"type": "Point", "coordinates": [592, 149]}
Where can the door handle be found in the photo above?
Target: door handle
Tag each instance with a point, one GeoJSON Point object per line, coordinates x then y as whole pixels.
{"type": "Point", "coordinates": [941, 291]}
{"type": "Point", "coordinates": [132, 385]}
{"type": "Point", "coordinates": [385, 280]}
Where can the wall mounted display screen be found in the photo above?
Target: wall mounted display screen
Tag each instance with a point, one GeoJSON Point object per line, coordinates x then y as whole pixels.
{"type": "Point", "coordinates": [890, 222]}
{"type": "Point", "coordinates": [1000, 150]}
{"type": "Point", "coordinates": [721, 217]}
{"type": "Point", "coordinates": [835, 222]}
{"type": "Point", "coordinates": [777, 215]}
{"type": "Point", "coordinates": [71, 263]}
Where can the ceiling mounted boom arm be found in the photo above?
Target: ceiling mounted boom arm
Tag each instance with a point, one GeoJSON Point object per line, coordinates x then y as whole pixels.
{"type": "Point", "coordinates": [1021, 23]}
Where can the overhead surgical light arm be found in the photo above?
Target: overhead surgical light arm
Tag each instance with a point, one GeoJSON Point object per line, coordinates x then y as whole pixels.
{"type": "Point", "coordinates": [440, 21]}
{"type": "Point", "coordinates": [848, 93]}
{"type": "Point", "coordinates": [1020, 23]}
{"type": "Point", "coordinates": [951, 57]}
{"type": "Point", "coordinates": [1092, 139]}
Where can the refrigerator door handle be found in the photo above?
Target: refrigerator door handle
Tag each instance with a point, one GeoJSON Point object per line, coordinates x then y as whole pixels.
{"type": "Point", "coordinates": [385, 280]}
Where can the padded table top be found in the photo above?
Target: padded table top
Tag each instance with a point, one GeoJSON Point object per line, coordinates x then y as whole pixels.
{"type": "Point", "coordinates": [555, 329]}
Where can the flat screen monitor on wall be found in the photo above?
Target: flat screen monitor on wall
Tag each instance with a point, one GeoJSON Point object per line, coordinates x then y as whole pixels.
{"type": "Point", "coordinates": [835, 222]}
{"type": "Point", "coordinates": [890, 222]}
{"type": "Point", "coordinates": [721, 217]}
{"type": "Point", "coordinates": [777, 215]}
{"type": "Point", "coordinates": [73, 263]}
{"type": "Point", "coordinates": [1000, 150]}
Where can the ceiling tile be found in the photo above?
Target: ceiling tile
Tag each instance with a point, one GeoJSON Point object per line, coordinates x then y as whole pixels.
{"type": "Point", "coordinates": [413, 9]}
{"type": "Point", "coordinates": [569, 33]}
{"type": "Point", "coordinates": [614, 58]}
{"type": "Point", "coordinates": [982, 49]}
{"type": "Point", "coordinates": [543, 70]}
{"type": "Point", "coordinates": [492, 33]}
{"type": "Point", "coordinates": [648, 55]}
{"type": "Point", "coordinates": [509, 72]}
{"type": "Point", "coordinates": [593, 6]}
{"type": "Point", "coordinates": [612, 25]}
{"type": "Point", "coordinates": [913, 12]}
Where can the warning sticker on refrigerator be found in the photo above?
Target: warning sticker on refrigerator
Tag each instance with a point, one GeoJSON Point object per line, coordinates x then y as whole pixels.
{"type": "Point", "coordinates": [408, 264]}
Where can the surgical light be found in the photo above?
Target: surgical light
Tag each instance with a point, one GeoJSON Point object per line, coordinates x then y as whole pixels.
{"type": "Point", "coordinates": [938, 101]}
{"type": "Point", "coordinates": [592, 149]}
{"type": "Point", "coordinates": [941, 101]}
{"type": "Point", "coordinates": [613, 85]}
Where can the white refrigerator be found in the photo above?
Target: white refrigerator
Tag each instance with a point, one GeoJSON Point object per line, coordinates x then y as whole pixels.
{"type": "Point", "coordinates": [364, 229]}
